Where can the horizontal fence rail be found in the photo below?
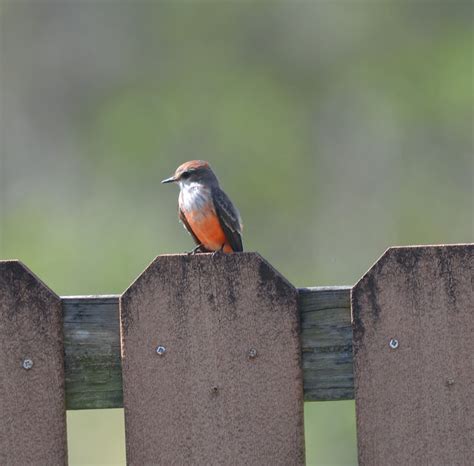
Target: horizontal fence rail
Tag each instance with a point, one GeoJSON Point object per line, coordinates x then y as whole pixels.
{"type": "Point", "coordinates": [92, 346]}
{"type": "Point", "coordinates": [223, 350]}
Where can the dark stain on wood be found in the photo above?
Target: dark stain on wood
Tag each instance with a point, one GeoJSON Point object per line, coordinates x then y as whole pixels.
{"type": "Point", "coordinates": [425, 297]}
{"type": "Point", "coordinates": [33, 417]}
{"type": "Point", "coordinates": [207, 393]}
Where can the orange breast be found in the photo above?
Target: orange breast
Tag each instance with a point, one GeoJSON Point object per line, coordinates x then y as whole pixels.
{"type": "Point", "coordinates": [208, 230]}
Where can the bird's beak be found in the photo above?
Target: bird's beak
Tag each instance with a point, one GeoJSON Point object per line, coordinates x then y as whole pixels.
{"type": "Point", "coordinates": [169, 180]}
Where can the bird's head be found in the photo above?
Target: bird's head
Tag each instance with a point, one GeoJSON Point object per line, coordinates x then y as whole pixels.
{"type": "Point", "coordinates": [194, 171]}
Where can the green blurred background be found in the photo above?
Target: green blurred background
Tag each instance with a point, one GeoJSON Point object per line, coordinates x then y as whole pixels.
{"type": "Point", "coordinates": [339, 128]}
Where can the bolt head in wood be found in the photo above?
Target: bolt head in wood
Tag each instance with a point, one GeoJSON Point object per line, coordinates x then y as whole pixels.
{"type": "Point", "coordinates": [393, 343]}
{"type": "Point", "coordinates": [27, 364]}
{"type": "Point", "coordinates": [160, 350]}
{"type": "Point", "coordinates": [252, 353]}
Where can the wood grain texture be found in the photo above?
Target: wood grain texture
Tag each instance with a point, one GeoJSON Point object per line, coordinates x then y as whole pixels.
{"type": "Point", "coordinates": [94, 374]}
{"type": "Point", "coordinates": [32, 401]}
{"type": "Point", "coordinates": [92, 346]}
{"type": "Point", "coordinates": [206, 401]}
{"type": "Point", "coordinates": [326, 336]}
{"type": "Point", "coordinates": [414, 403]}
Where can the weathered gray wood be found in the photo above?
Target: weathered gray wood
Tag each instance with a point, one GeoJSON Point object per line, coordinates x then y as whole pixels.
{"type": "Point", "coordinates": [92, 346]}
{"type": "Point", "coordinates": [326, 336]}
{"type": "Point", "coordinates": [32, 398]}
{"type": "Point", "coordinates": [93, 372]}
{"type": "Point", "coordinates": [414, 399]}
{"type": "Point", "coordinates": [208, 399]}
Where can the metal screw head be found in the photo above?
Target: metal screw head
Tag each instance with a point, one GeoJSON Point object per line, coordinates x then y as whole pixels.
{"type": "Point", "coordinates": [252, 353]}
{"type": "Point", "coordinates": [160, 350]}
{"type": "Point", "coordinates": [27, 364]}
{"type": "Point", "coordinates": [393, 343]}
{"type": "Point", "coordinates": [450, 382]}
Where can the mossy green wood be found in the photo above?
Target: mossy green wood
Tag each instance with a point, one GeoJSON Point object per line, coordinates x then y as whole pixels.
{"type": "Point", "coordinates": [93, 371]}
{"type": "Point", "coordinates": [92, 347]}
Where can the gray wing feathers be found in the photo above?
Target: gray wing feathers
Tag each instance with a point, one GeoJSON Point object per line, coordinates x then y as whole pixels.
{"type": "Point", "coordinates": [229, 219]}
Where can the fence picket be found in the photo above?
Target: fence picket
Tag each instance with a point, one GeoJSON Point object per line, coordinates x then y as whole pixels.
{"type": "Point", "coordinates": [32, 396]}
{"type": "Point", "coordinates": [211, 363]}
{"type": "Point", "coordinates": [413, 326]}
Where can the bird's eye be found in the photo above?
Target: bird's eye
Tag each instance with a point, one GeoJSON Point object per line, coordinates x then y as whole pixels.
{"type": "Point", "coordinates": [188, 173]}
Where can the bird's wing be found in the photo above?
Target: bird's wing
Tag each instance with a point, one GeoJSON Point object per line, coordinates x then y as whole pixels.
{"type": "Point", "coordinates": [182, 217]}
{"type": "Point", "coordinates": [229, 219]}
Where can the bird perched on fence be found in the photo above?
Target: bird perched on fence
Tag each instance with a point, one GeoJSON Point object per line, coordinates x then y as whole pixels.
{"type": "Point", "coordinates": [205, 210]}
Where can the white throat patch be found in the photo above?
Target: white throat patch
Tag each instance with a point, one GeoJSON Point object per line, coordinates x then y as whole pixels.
{"type": "Point", "coordinates": [193, 197]}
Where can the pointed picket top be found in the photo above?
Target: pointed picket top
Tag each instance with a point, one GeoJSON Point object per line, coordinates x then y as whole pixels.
{"type": "Point", "coordinates": [16, 268]}
{"type": "Point", "coordinates": [413, 321]}
{"type": "Point", "coordinates": [210, 349]}
{"type": "Point", "coordinates": [267, 271]}
{"type": "Point", "coordinates": [269, 279]}
{"type": "Point", "coordinates": [32, 395]}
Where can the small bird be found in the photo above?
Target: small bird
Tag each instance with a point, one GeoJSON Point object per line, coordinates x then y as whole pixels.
{"type": "Point", "coordinates": [205, 210]}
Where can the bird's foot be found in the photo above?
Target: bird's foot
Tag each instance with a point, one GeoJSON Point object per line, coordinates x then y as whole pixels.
{"type": "Point", "coordinates": [218, 251]}
{"type": "Point", "coordinates": [195, 250]}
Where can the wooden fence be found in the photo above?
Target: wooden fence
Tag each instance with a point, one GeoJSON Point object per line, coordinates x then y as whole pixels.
{"type": "Point", "coordinates": [212, 357]}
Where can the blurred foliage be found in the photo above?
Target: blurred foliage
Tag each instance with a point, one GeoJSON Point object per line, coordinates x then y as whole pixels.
{"type": "Point", "coordinates": [338, 128]}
